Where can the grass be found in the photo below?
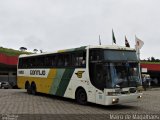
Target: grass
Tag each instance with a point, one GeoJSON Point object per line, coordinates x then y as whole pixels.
{"type": "Point", "coordinates": [12, 52]}
{"type": "Point", "coordinates": [146, 62]}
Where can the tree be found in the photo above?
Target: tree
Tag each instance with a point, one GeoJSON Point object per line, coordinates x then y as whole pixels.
{"type": "Point", "coordinates": [157, 60]}
{"type": "Point", "coordinates": [35, 50]}
{"type": "Point", "coordinates": [149, 59]}
{"type": "Point", "coordinates": [152, 59]}
{"type": "Point", "coordinates": [22, 48]}
{"type": "Point", "coordinates": [41, 51]}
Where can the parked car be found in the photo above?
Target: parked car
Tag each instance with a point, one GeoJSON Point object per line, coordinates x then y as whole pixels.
{"type": "Point", "coordinates": [4, 85]}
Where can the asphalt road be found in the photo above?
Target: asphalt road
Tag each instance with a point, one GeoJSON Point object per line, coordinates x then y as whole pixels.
{"type": "Point", "coordinates": [18, 104]}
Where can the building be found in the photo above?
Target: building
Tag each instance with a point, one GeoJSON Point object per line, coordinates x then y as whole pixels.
{"type": "Point", "coordinates": [8, 68]}
{"type": "Point", "coordinates": [8, 65]}
{"type": "Point", "coordinates": [153, 69]}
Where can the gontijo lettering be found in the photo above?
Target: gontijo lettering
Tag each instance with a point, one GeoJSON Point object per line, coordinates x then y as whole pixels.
{"type": "Point", "coordinates": [37, 72]}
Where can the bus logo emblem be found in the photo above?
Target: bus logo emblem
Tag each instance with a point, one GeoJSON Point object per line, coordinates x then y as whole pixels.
{"type": "Point", "coordinates": [79, 74]}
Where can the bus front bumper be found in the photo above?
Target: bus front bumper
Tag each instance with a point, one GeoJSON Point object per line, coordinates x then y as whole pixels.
{"type": "Point", "coordinates": [119, 99]}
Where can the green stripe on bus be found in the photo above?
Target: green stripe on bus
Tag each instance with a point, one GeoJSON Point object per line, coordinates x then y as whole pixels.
{"type": "Point", "coordinates": [56, 81]}
{"type": "Point", "coordinates": [65, 81]}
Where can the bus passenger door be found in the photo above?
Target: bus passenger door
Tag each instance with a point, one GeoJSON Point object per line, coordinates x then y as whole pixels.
{"type": "Point", "coordinates": [97, 83]}
{"type": "Point", "coordinates": [100, 83]}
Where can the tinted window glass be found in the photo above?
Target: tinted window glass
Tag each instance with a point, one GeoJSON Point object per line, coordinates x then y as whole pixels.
{"type": "Point", "coordinates": [79, 59]}
{"type": "Point", "coordinates": [72, 59]}
{"type": "Point", "coordinates": [120, 55]}
{"type": "Point", "coordinates": [96, 54]}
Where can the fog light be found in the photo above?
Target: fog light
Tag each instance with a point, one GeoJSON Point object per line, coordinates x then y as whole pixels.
{"type": "Point", "coordinates": [115, 100]}
{"type": "Point", "coordinates": [139, 96]}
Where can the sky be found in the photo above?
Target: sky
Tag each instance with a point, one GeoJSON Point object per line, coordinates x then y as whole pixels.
{"type": "Point", "coordinates": [52, 25]}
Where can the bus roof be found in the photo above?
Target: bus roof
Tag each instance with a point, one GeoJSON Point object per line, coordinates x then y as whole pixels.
{"type": "Point", "coordinates": [59, 51]}
{"type": "Point", "coordinates": [112, 47]}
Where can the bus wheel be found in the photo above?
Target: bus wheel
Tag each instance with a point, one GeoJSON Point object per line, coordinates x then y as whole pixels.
{"type": "Point", "coordinates": [33, 89]}
{"type": "Point", "coordinates": [81, 96]}
{"type": "Point", "coordinates": [28, 87]}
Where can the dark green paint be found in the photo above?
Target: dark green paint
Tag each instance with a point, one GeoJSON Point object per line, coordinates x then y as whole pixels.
{"type": "Point", "coordinates": [56, 81]}
{"type": "Point", "coordinates": [64, 81]}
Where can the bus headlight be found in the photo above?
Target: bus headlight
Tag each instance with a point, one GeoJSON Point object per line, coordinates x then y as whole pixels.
{"type": "Point", "coordinates": [115, 100]}
{"type": "Point", "coordinates": [139, 96]}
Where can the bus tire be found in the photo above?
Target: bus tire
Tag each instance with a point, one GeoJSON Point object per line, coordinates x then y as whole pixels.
{"type": "Point", "coordinates": [81, 96]}
{"type": "Point", "coordinates": [33, 89]}
{"type": "Point", "coordinates": [28, 87]}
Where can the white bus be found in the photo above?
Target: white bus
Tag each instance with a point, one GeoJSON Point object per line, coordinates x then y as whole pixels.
{"type": "Point", "coordinates": [105, 75]}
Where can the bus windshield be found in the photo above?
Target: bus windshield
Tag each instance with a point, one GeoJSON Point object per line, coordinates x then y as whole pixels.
{"type": "Point", "coordinates": [124, 74]}
{"type": "Point", "coordinates": [114, 69]}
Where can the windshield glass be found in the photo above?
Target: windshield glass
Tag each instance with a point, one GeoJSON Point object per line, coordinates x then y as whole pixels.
{"type": "Point", "coordinates": [114, 75]}
{"type": "Point", "coordinates": [114, 68]}
{"type": "Point", "coordinates": [124, 74]}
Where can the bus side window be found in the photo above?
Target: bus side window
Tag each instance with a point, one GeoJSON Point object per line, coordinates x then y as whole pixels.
{"type": "Point", "coordinates": [75, 60]}
{"type": "Point", "coordinates": [32, 62]}
{"type": "Point", "coordinates": [42, 62]}
{"type": "Point", "coordinates": [84, 59]}
{"type": "Point", "coordinates": [20, 65]}
{"type": "Point", "coordinates": [23, 63]}
{"type": "Point", "coordinates": [95, 55]}
{"type": "Point", "coordinates": [79, 59]}
{"type": "Point", "coordinates": [60, 62]}
{"type": "Point", "coordinates": [27, 63]}
{"type": "Point", "coordinates": [66, 60]}
{"type": "Point", "coordinates": [92, 56]}
{"type": "Point", "coordinates": [47, 61]}
{"type": "Point", "coordinates": [53, 61]}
